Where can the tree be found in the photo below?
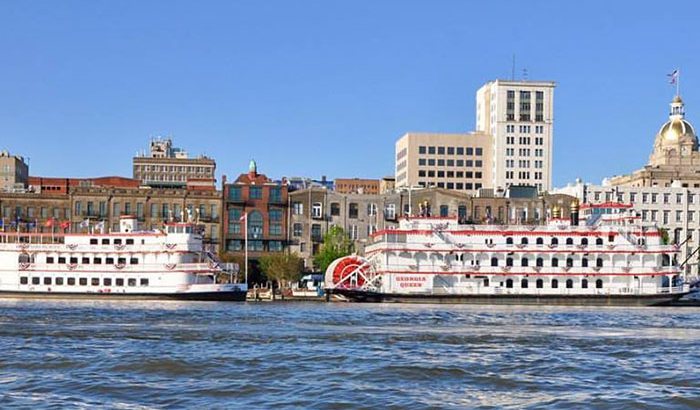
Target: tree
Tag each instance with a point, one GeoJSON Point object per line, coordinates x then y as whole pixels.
{"type": "Point", "coordinates": [336, 244]}
{"type": "Point", "coordinates": [664, 236]}
{"type": "Point", "coordinates": [281, 267]}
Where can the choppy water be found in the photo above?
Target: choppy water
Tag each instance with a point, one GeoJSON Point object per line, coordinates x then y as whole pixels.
{"type": "Point", "coordinates": [316, 355]}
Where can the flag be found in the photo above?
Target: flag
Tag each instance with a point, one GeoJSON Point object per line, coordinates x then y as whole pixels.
{"type": "Point", "coordinates": [85, 223]}
{"type": "Point", "coordinates": [243, 217]}
{"type": "Point", "coordinates": [101, 226]}
{"type": "Point", "coordinates": [65, 224]}
{"type": "Point", "coordinates": [49, 223]}
{"type": "Point", "coordinates": [673, 77]}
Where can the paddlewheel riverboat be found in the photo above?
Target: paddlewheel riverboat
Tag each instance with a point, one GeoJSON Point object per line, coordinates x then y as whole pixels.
{"type": "Point", "coordinates": [163, 264]}
{"type": "Point", "coordinates": [608, 258]}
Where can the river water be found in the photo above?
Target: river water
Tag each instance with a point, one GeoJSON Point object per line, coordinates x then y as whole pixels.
{"type": "Point", "coordinates": [134, 355]}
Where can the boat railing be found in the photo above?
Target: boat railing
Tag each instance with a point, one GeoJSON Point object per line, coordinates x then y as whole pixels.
{"type": "Point", "coordinates": [207, 268]}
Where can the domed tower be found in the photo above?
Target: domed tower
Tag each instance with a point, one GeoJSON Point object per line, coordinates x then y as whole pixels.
{"type": "Point", "coordinates": [676, 141]}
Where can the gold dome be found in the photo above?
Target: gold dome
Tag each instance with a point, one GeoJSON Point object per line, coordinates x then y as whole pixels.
{"type": "Point", "coordinates": [674, 129]}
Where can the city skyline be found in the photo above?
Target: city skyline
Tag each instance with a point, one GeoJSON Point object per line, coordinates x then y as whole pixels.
{"type": "Point", "coordinates": [92, 83]}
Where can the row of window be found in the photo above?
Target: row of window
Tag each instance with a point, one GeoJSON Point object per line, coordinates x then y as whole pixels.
{"type": "Point", "coordinates": [553, 284]}
{"type": "Point", "coordinates": [95, 260]}
{"type": "Point", "coordinates": [449, 174]}
{"type": "Point", "coordinates": [235, 193]}
{"type": "Point", "coordinates": [554, 262]}
{"type": "Point", "coordinates": [555, 241]}
{"type": "Point", "coordinates": [431, 150]}
{"type": "Point", "coordinates": [450, 162]}
{"type": "Point", "coordinates": [254, 245]}
{"type": "Point", "coordinates": [72, 281]}
{"type": "Point", "coordinates": [646, 197]}
{"type": "Point", "coordinates": [174, 168]}
{"type": "Point", "coordinates": [451, 185]}
{"type": "Point", "coordinates": [156, 210]}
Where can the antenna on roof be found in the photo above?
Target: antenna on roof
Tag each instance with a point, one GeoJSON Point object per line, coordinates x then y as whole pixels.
{"type": "Point", "coordinates": [524, 74]}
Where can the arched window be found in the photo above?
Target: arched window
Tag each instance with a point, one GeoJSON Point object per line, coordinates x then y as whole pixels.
{"type": "Point", "coordinates": [509, 261]}
{"type": "Point", "coordinates": [523, 262]}
{"type": "Point", "coordinates": [584, 262]}
{"type": "Point", "coordinates": [494, 261]}
{"type": "Point", "coordinates": [569, 241]}
{"type": "Point", "coordinates": [569, 283]}
{"type": "Point", "coordinates": [584, 284]}
{"type": "Point", "coordinates": [665, 260]}
{"type": "Point", "coordinates": [539, 262]}
{"type": "Point", "coordinates": [509, 241]}
{"type": "Point", "coordinates": [555, 241]}
{"type": "Point", "coordinates": [255, 225]}
{"type": "Point", "coordinates": [598, 241]}
{"type": "Point", "coordinates": [584, 241]}
{"type": "Point", "coordinates": [509, 283]}
{"type": "Point", "coordinates": [569, 262]}
{"type": "Point", "coordinates": [539, 283]}
{"type": "Point", "coordinates": [523, 241]}
{"type": "Point", "coordinates": [555, 262]}
{"type": "Point", "coordinates": [486, 282]}
{"type": "Point", "coordinates": [539, 241]}
{"type": "Point", "coordinates": [523, 283]}
{"type": "Point", "coordinates": [599, 284]}
{"type": "Point", "coordinates": [555, 283]}
{"type": "Point", "coordinates": [599, 262]}
{"type": "Point", "coordinates": [24, 258]}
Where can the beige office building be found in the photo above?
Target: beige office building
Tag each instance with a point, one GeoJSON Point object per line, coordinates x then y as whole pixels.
{"type": "Point", "coordinates": [452, 161]}
{"type": "Point", "coordinates": [166, 166]}
{"type": "Point", "coordinates": [519, 115]}
{"type": "Point", "coordinates": [14, 172]}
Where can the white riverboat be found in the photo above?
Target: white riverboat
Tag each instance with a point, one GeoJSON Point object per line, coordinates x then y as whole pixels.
{"type": "Point", "coordinates": [170, 263]}
{"type": "Point", "coordinates": [608, 258]}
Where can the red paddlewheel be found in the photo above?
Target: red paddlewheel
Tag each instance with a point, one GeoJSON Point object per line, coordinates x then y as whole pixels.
{"type": "Point", "coordinates": [345, 272]}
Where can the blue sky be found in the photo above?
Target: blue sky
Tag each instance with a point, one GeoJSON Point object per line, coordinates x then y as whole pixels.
{"type": "Point", "coordinates": [326, 87]}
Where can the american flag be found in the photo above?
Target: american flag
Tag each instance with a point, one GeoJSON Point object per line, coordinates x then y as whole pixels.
{"type": "Point", "coordinates": [673, 77]}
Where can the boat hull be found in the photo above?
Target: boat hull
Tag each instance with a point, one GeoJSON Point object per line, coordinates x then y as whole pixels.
{"type": "Point", "coordinates": [355, 295]}
{"type": "Point", "coordinates": [218, 296]}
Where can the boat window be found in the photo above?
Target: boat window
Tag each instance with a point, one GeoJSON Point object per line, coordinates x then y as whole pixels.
{"type": "Point", "coordinates": [509, 241]}
{"type": "Point", "coordinates": [598, 241]}
{"type": "Point", "coordinates": [539, 241]}
{"type": "Point", "coordinates": [555, 241]}
{"type": "Point", "coordinates": [584, 284]}
{"type": "Point", "coordinates": [117, 241]}
{"type": "Point", "coordinates": [36, 281]}
{"type": "Point", "coordinates": [509, 261]}
{"type": "Point", "coordinates": [524, 284]}
{"type": "Point", "coordinates": [59, 281]}
{"type": "Point", "coordinates": [523, 241]}
{"type": "Point", "coordinates": [599, 284]}
{"type": "Point", "coordinates": [73, 259]}
{"type": "Point", "coordinates": [599, 262]}
{"type": "Point", "coordinates": [82, 281]}
{"type": "Point", "coordinates": [555, 283]}
{"type": "Point", "coordinates": [569, 241]}
{"type": "Point", "coordinates": [539, 283]}
{"type": "Point", "coordinates": [539, 262]}
{"type": "Point", "coordinates": [129, 241]}
{"type": "Point", "coordinates": [494, 261]}
{"type": "Point", "coordinates": [509, 283]}
{"type": "Point", "coordinates": [134, 261]}
{"type": "Point", "coordinates": [71, 281]}
{"type": "Point", "coordinates": [23, 280]}
{"type": "Point", "coordinates": [109, 261]}
{"type": "Point", "coordinates": [555, 262]}
{"type": "Point", "coordinates": [486, 282]}
{"type": "Point", "coordinates": [569, 262]}
{"type": "Point", "coordinates": [95, 282]}
{"type": "Point", "coordinates": [24, 258]}
{"type": "Point", "coordinates": [119, 282]}
{"type": "Point", "coordinates": [86, 261]}
{"type": "Point", "coordinates": [132, 281]}
{"type": "Point", "coordinates": [611, 238]}
{"type": "Point", "coordinates": [584, 262]}
{"type": "Point", "coordinates": [97, 261]}
{"type": "Point", "coordinates": [144, 281]}
{"type": "Point", "coordinates": [584, 241]}
{"type": "Point", "coordinates": [171, 230]}
{"type": "Point", "coordinates": [61, 259]}
{"type": "Point", "coordinates": [93, 241]}
{"type": "Point", "coordinates": [49, 259]}
{"type": "Point", "coordinates": [569, 283]}
{"type": "Point", "coordinates": [121, 261]}
{"type": "Point", "coordinates": [107, 281]}
{"type": "Point", "coordinates": [179, 229]}
{"type": "Point", "coordinates": [47, 280]}
{"type": "Point", "coordinates": [524, 262]}
{"type": "Point", "coordinates": [188, 229]}
{"type": "Point", "coordinates": [105, 241]}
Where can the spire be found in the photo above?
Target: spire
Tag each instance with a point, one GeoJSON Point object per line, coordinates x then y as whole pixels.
{"type": "Point", "coordinates": [252, 169]}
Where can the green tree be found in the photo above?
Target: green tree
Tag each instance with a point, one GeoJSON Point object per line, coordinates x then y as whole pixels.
{"type": "Point", "coordinates": [336, 244]}
{"type": "Point", "coordinates": [281, 267]}
{"type": "Point", "coordinates": [664, 236]}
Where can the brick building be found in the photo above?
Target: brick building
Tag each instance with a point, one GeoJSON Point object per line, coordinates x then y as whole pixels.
{"type": "Point", "coordinates": [357, 186]}
{"type": "Point", "coordinates": [264, 202]}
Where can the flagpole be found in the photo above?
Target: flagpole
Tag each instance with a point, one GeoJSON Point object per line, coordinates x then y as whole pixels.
{"type": "Point", "coordinates": [245, 221]}
{"type": "Point", "coordinates": [678, 82]}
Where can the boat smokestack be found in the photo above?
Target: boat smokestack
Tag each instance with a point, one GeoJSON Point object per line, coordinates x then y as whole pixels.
{"type": "Point", "coordinates": [574, 212]}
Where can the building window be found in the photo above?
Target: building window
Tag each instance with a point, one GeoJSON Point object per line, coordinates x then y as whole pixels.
{"type": "Point", "coordinates": [297, 229]}
{"type": "Point", "coordinates": [372, 209]}
{"type": "Point", "coordinates": [275, 229]}
{"type": "Point", "coordinates": [317, 210]}
{"type": "Point", "coordinates": [255, 192]}
{"type": "Point", "coordinates": [255, 225]}
{"type": "Point", "coordinates": [276, 195]}
{"type": "Point", "coordinates": [297, 208]}
{"type": "Point", "coordinates": [316, 232]}
{"type": "Point", "coordinates": [353, 211]}
{"type": "Point", "coordinates": [335, 209]}
{"type": "Point", "coordinates": [234, 193]}
{"type": "Point", "coordinates": [275, 214]}
{"type": "Point", "coordinates": [275, 246]}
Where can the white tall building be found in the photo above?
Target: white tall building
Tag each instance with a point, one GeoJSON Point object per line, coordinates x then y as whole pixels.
{"type": "Point", "coordinates": [519, 115]}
